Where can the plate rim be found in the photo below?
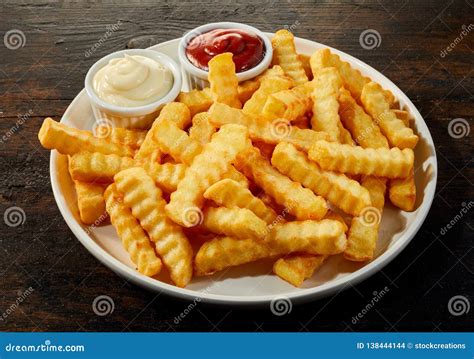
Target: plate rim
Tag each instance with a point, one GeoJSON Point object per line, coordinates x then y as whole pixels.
{"type": "Point", "coordinates": [304, 294]}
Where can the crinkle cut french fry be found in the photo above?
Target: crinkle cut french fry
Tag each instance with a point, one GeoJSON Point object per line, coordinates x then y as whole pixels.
{"type": "Point", "coordinates": [284, 54]}
{"type": "Point", "coordinates": [207, 168]}
{"type": "Point", "coordinates": [148, 206]}
{"type": "Point", "coordinates": [402, 192]}
{"type": "Point", "coordinates": [266, 149]}
{"type": "Point", "coordinates": [97, 167]}
{"type": "Point", "coordinates": [68, 140]}
{"type": "Point", "coordinates": [196, 100]}
{"type": "Point", "coordinates": [295, 268]}
{"type": "Point", "coordinates": [262, 130]}
{"type": "Point", "coordinates": [337, 188]}
{"type": "Point", "coordinates": [176, 142]}
{"type": "Point", "coordinates": [268, 86]}
{"type": "Point", "coordinates": [363, 129]}
{"type": "Point", "coordinates": [90, 201]}
{"type": "Point", "coordinates": [316, 237]}
{"type": "Point", "coordinates": [166, 175]}
{"type": "Point", "coordinates": [327, 82]}
{"type": "Point", "coordinates": [229, 193]}
{"type": "Point", "coordinates": [345, 136]}
{"type": "Point", "coordinates": [337, 217]}
{"type": "Point", "coordinates": [288, 104]}
{"type": "Point", "coordinates": [173, 111]}
{"type": "Point", "coordinates": [134, 239]}
{"type": "Point", "coordinates": [298, 201]}
{"type": "Point", "coordinates": [363, 232]}
{"type": "Point", "coordinates": [304, 59]}
{"type": "Point", "coordinates": [380, 162]}
{"type": "Point", "coordinates": [234, 222]}
{"type": "Point", "coordinates": [403, 115]}
{"type": "Point", "coordinates": [223, 80]}
{"type": "Point", "coordinates": [121, 136]}
{"type": "Point", "coordinates": [394, 129]}
{"type": "Point", "coordinates": [201, 130]}
{"type": "Point", "coordinates": [201, 100]}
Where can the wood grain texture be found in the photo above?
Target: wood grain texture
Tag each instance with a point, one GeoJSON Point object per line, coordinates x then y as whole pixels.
{"type": "Point", "coordinates": [42, 77]}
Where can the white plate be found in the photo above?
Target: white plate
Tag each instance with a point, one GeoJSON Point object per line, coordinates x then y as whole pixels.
{"type": "Point", "coordinates": [254, 283]}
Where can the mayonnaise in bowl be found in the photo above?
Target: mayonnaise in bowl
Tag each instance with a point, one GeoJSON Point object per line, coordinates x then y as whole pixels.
{"type": "Point", "coordinates": [132, 81]}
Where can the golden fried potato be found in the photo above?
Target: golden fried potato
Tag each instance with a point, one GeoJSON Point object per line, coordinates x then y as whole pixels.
{"type": "Point", "coordinates": [402, 115]}
{"type": "Point", "coordinates": [304, 59]}
{"type": "Point", "coordinates": [325, 104]}
{"type": "Point", "coordinates": [68, 140]}
{"type": "Point", "coordinates": [147, 205]}
{"type": "Point", "coordinates": [261, 130]}
{"type": "Point", "coordinates": [268, 86]}
{"type": "Point", "coordinates": [176, 142]}
{"type": "Point", "coordinates": [97, 167]}
{"type": "Point", "coordinates": [174, 111]}
{"type": "Point", "coordinates": [363, 232]}
{"type": "Point", "coordinates": [207, 168]}
{"type": "Point", "coordinates": [90, 201]}
{"type": "Point", "coordinates": [298, 201]}
{"type": "Point", "coordinates": [295, 268]}
{"type": "Point", "coordinates": [340, 190]}
{"type": "Point", "coordinates": [134, 239]}
{"type": "Point", "coordinates": [166, 175]}
{"type": "Point", "coordinates": [382, 162]}
{"type": "Point", "coordinates": [234, 222]}
{"type": "Point", "coordinates": [201, 130]}
{"type": "Point", "coordinates": [363, 129]}
{"type": "Point", "coordinates": [196, 100]}
{"type": "Point", "coordinates": [316, 237]}
{"type": "Point", "coordinates": [378, 107]}
{"type": "Point", "coordinates": [223, 80]}
{"type": "Point", "coordinates": [288, 104]}
{"type": "Point", "coordinates": [121, 136]}
{"type": "Point", "coordinates": [284, 54]}
{"type": "Point", "coordinates": [229, 193]}
{"type": "Point", "coordinates": [402, 192]}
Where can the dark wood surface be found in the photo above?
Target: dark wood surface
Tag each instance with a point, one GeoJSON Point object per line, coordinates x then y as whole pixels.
{"type": "Point", "coordinates": [42, 78]}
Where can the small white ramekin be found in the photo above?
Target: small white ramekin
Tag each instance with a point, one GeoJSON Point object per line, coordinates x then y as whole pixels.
{"type": "Point", "coordinates": [197, 78]}
{"type": "Point", "coordinates": [140, 117]}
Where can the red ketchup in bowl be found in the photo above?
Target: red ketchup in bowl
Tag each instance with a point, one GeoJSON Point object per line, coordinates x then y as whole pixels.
{"type": "Point", "coordinates": [248, 48]}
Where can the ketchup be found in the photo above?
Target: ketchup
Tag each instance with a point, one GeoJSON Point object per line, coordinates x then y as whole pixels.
{"type": "Point", "coordinates": [248, 48]}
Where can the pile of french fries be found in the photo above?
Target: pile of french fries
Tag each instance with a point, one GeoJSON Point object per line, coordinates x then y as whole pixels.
{"type": "Point", "coordinates": [293, 165]}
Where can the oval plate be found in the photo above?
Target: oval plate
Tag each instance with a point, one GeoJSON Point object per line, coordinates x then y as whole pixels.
{"type": "Point", "coordinates": [254, 283]}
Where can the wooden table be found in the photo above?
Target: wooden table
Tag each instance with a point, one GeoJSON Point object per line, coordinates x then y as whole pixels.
{"type": "Point", "coordinates": [46, 72]}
